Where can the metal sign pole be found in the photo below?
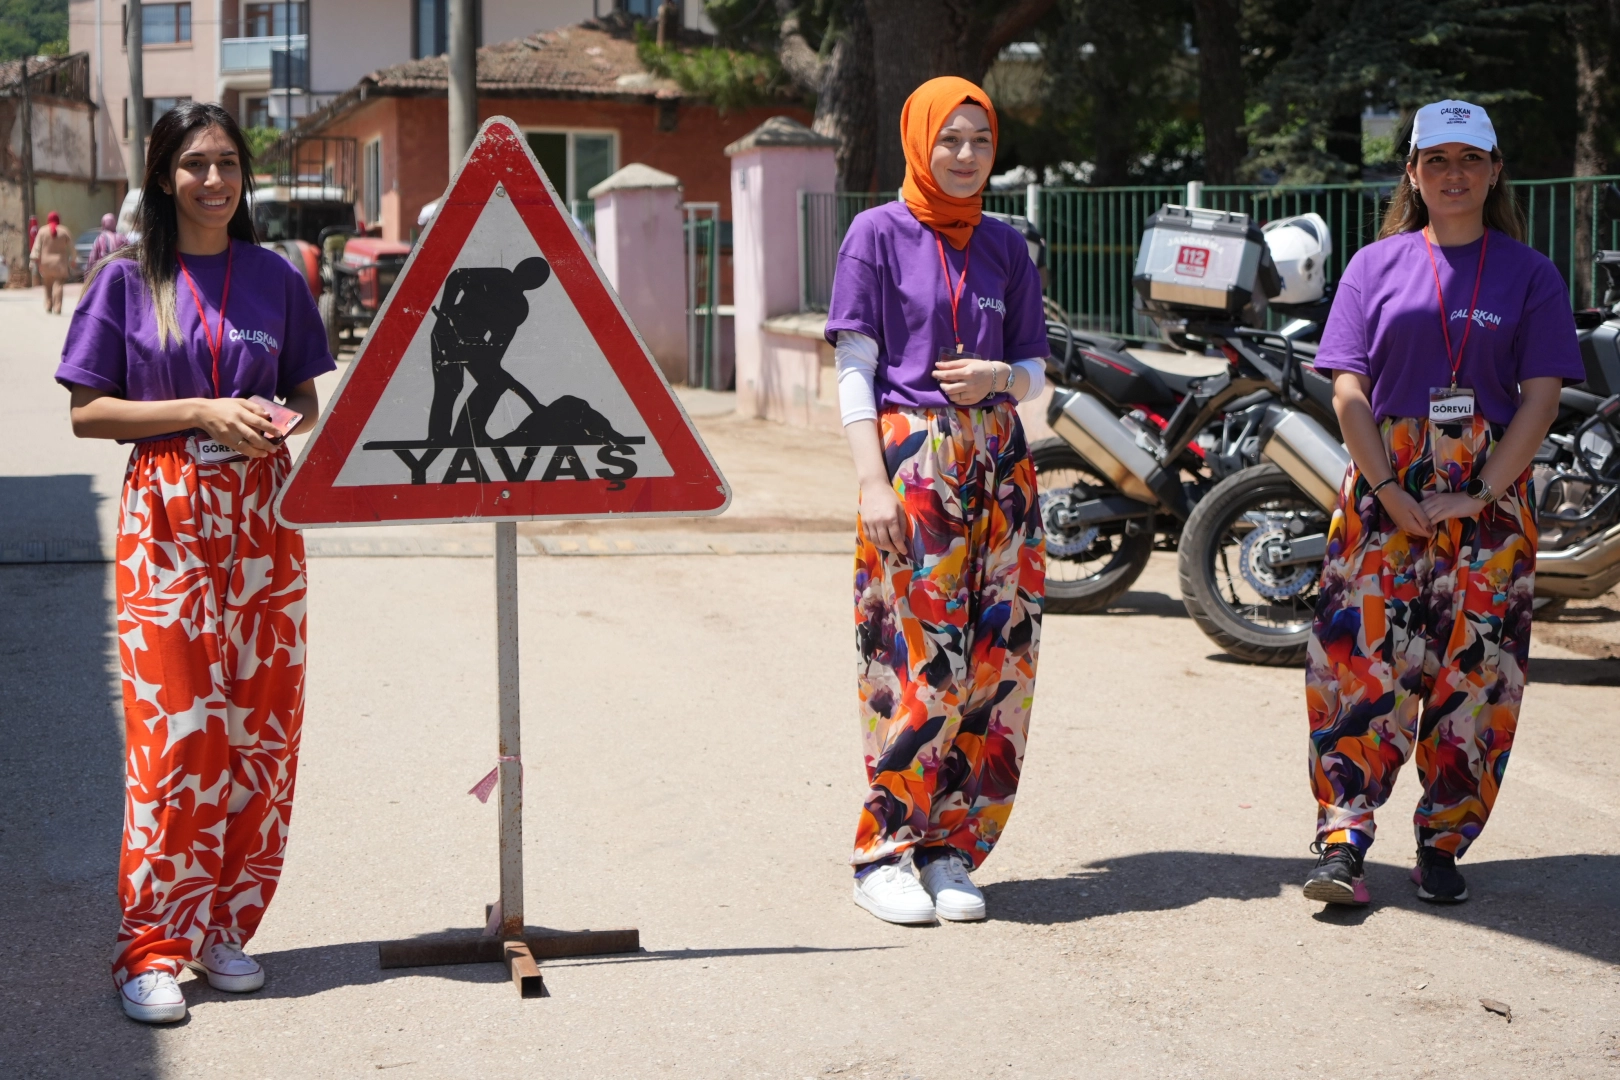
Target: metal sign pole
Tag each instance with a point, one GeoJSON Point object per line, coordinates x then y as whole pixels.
{"type": "Point", "coordinates": [515, 945]}
{"type": "Point", "coordinates": [511, 732]}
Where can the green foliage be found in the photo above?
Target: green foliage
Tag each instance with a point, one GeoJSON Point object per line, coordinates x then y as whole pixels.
{"type": "Point", "coordinates": [1344, 55]}
{"type": "Point", "coordinates": [730, 78]}
{"type": "Point", "coordinates": [260, 139]}
{"type": "Point", "coordinates": [1120, 102]}
{"type": "Point", "coordinates": [33, 27]}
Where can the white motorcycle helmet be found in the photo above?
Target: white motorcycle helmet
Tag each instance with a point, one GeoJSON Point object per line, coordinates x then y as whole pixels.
{"type": "Point", "coordinates": [1300, 247]}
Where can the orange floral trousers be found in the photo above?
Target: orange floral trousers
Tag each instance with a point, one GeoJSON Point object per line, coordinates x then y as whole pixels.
{"type": "Point", "coordinates": [1420, 644]}
{"type": "Point", "coordinates": [211, 644]}
{"type": "Point", "coordinates": [948, 635]}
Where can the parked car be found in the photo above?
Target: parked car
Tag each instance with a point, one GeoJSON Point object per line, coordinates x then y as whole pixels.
{"type": "Point", "coordinates": [81, 253]}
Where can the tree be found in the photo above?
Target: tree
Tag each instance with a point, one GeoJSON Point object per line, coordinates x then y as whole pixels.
{"type": "Point", "coordinates": [920, 40]}
{"type": "Point", "coordinates": [1595, 28]}
{"type": "Point", "coordinates": [1120, 102]}
{"type": "Point", "coordinates": [33, 27]}
{"type": "Point", "coordinates": [1343, 55]}
{"type": "Point", "coordinates": [1222, 91]}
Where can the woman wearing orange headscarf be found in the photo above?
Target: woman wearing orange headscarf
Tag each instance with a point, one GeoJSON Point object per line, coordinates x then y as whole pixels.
{"type": "Point", "coordinates": [936, 314]}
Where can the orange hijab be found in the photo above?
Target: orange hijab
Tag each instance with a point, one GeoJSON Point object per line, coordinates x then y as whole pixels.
{"type": "Point", "coordinates": [924, 114]}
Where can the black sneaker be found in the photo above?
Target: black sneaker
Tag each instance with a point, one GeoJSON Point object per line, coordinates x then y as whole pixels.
{"type": "Point", "coordinates": [1437, 877]}
{"type": "Point", "coordinates": [1337, 878]}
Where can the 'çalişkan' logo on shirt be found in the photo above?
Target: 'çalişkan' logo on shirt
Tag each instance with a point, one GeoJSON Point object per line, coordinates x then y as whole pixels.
{"type": "Point", "coordinates": [994, 304]}
{"type": "Point", "coordinates": [1482, 318]}
{"type": "Point", "coordinates": [256, 337]}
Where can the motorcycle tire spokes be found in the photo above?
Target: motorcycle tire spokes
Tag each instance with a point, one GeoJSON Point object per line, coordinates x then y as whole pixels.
{"type": "Point", "coordinates": [1250, 565]}
{"type": "Point", "coordinates": [1087, 566]}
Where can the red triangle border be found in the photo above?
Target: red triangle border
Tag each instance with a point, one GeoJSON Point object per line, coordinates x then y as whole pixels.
{"type": "Point", "coordinates": [499, 155]}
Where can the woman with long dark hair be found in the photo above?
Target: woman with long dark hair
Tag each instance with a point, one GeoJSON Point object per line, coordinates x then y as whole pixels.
{"type": "Point", "coordinates": [937, 318]}
{"type": "Point", "coordinates": [172, 337]}
{"type": "Point", "coordinates": [1449, 341]}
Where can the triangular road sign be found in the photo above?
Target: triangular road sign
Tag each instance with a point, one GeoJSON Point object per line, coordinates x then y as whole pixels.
{"type": "Point", "coordinates": [502, 379]}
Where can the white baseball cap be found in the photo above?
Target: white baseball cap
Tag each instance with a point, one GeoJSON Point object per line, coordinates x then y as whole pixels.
{"type": "Point", "coordinates": [1452, 121]}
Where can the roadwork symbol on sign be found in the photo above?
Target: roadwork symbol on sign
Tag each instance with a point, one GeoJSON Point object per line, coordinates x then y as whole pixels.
{"type": "Point", "coordinates": [502, 379]}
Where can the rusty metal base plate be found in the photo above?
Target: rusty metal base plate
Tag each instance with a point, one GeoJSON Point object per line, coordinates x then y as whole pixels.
{"type": "Point", "coordinates": [518, 954]}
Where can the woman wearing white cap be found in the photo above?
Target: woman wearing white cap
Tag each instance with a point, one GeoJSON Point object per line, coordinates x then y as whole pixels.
{"type": "Point", "coordinates": [1448, 342]}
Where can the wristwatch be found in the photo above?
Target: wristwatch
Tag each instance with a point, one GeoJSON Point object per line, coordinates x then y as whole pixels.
{"type": "Point", "coordinates": [1477, 488]}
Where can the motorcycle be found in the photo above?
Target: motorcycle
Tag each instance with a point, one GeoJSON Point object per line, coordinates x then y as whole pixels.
{"type": "Point", "coordinates": [1252, 550]}
{"type": "Point", "coordinates": [1144, 433]}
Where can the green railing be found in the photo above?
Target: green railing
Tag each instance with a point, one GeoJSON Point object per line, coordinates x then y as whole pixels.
{"type": "Point", "coordinates": [1092, 233]}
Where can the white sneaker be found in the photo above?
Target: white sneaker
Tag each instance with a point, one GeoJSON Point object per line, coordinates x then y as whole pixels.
{"type": "Point", "coordinates": [894, 894]}
{"type": "Point", "coordinates": [153, 997]}
{"type": "Point", "coordinates": [230, 969]}
{"type": "Point", "coordinates": [955, 896]}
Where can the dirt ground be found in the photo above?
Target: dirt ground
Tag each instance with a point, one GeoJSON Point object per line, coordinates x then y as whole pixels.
{"type": "Point", "coordinates": [692, 770]}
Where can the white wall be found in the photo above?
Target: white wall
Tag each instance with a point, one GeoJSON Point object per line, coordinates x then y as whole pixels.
{"type": "Point", "coordinates": [349, 39]}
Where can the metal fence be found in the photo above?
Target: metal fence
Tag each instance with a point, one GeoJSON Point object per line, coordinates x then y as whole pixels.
{"type": "Point", "coordinates": [1092, 233]}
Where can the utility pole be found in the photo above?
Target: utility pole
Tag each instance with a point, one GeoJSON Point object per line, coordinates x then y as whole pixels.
{"type": "Point", "coordinates": [287, 61]}
{"type": "Point", "coordinates": [137, 95]}
{"type": "Point", "coordinates": [28, 210]}
{"type": "Point", "coordinates": [463, 80]}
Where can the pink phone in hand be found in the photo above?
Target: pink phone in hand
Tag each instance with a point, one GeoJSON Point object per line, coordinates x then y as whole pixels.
{"type": "Point", "coordinates": [283, 418]}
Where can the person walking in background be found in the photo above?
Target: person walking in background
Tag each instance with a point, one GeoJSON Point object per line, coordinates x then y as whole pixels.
{"type": "Point", "coordinates": [170, 339]}
{"type": "Point", "coordinates": [1448, 341]}
{"type": "Point", "coordinates": [106, 242]}
{"type": "Point", "coordinates": [52, 259]}
{"type": "Point", "coordinates": [939, 331]}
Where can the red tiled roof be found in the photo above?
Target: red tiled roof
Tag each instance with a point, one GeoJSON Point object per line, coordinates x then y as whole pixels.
{"type": "Point", "coordinates": [589, 60]}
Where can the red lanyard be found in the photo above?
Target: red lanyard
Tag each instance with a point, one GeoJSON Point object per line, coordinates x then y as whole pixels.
{"type": "Point", "coordinates": [960, 282]}
{"type": "Point", "coordinates": [215, 344]}
{"type": "Point", "coordinates": [1473, 304]}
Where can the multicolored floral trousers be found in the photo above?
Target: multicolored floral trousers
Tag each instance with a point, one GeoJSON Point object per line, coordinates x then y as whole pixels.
{"type": "Point", "coordinates": [211, 642]}
{"type": "Point", "coordinates": [948, 634]}
{"type": "Point", "coordinates": [1420, 644]}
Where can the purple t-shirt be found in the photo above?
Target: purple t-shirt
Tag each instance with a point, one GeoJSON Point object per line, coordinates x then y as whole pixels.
{"type": "Point", "coordinates": [1385, 324]}
{"type": "Point", "coordinates": [890, 287]}
{"type": "Point", "coordinates": [273, 337]}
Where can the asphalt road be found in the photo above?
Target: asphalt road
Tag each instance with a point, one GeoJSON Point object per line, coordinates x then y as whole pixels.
{"type": "Point", "coordinates": [693, 771]}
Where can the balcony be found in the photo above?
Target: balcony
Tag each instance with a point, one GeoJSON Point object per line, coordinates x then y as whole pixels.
{"type": "Point", "coordinates": [259, 55]}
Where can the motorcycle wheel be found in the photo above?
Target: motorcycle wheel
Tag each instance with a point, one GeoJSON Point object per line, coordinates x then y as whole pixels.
{"type": "Point", "coordinates": [1248, 609]}
{"type": "Point", "coordinates": [327, 307]}
{"type": "Point", "coordinates": [1086, 569]}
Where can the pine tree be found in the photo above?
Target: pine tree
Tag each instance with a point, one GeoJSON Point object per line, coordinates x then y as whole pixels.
{"type": "Point", "coordinates": [1336, 57]}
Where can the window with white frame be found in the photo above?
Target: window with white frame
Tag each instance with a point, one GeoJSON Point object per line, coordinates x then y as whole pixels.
{"type": "Point", "coordinates": [575, 162]}
{"type": "Point", "coordinates": [371, 181]}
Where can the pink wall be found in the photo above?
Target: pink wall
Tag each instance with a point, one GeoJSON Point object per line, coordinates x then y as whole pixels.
{"type": "Point", "coordinates": [765, 186]}
{"type": "Point", "coordinates": [640, 246]}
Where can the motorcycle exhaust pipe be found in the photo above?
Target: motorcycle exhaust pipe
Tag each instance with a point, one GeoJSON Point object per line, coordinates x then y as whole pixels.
{"type": "Point", "coordinates": [1086, 424]}
{"type": "Point", "coordinates": [1584, 571]}
{"type": "Point", "coordinates": [1304, 449]}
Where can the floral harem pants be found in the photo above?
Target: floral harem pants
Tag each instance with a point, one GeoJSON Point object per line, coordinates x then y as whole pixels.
{"type": "Point", "coordinates": [1420, 644]}
{"type": "Point", "coordinates": [211, 644]}
{"type": "Point", "coordinates": [948, 634]}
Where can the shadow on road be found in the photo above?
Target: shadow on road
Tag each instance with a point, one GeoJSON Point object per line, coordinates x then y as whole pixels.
{"type": "Point", "coordinates": [1139, 603]}
{"type": "Point", "coordinates": [295, 973]}
{"type": "Point", "coordinates": [1595, 671]}
{"type": "Point", "coordinates": [61, 783]}
{"type": "Point", "coordinates": [1566, 901]}
{"type": "Point", "coordinates": [46, 508]}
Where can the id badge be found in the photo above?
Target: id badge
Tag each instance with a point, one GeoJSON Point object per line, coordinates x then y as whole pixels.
{"type": "Point", "coordinates": [1450, 404]}
{"type": "Point", "coordinates": [951, 354]}
{"type": "Point", "coordinates": [212, 452]}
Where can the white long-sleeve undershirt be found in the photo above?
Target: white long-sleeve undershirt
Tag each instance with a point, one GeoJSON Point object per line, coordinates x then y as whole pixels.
{"type": "Point", "coordinates": [856, 357]}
